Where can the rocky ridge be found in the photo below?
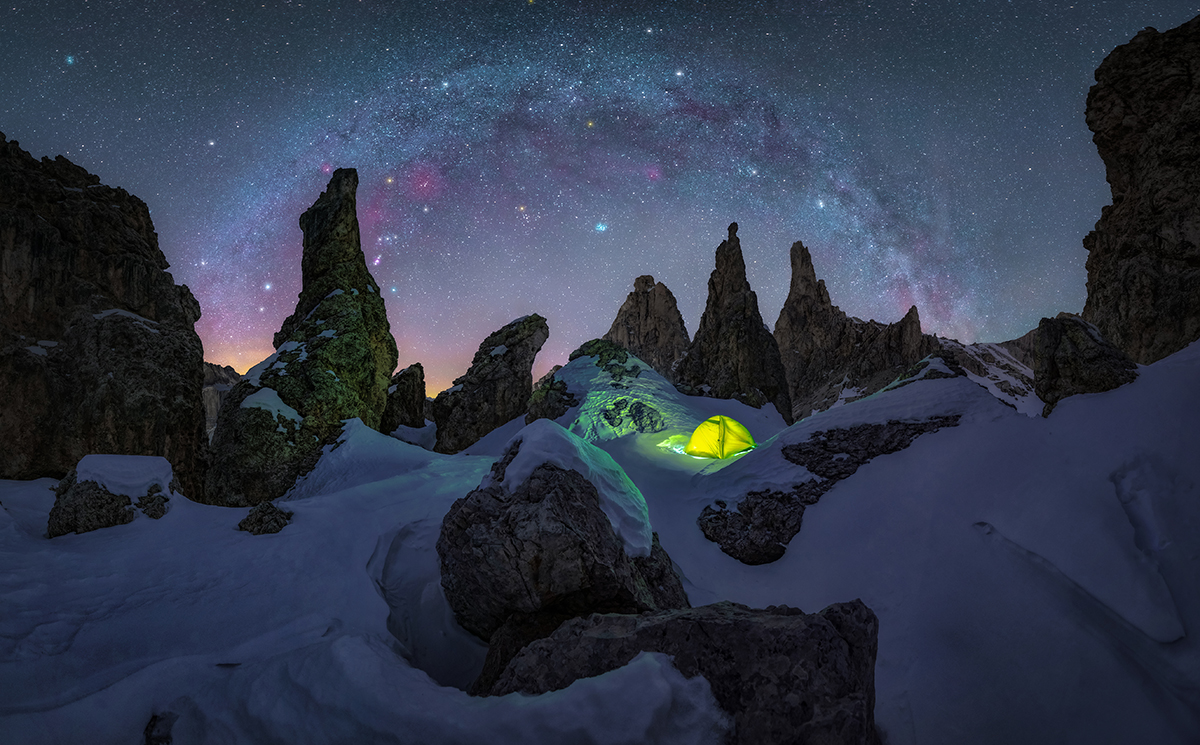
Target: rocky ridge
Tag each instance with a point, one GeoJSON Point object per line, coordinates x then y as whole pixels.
{"type": "Point", "coordinates": [219, 380]}
{"type": "Point", "coordinates": [733, 354]}
{"type": "Point", "coordinates": [650, 326]}
{"type": "Point", "coordinates": [333, 361]}
{"type": "Point", "coordinates": [1143, 263]}
{"type": "Point", "coordinates": [98, 350]}
{"type": "Point", "coordinates": [829, 357]}
{"type": "Point", "coordinates": [405, 400]}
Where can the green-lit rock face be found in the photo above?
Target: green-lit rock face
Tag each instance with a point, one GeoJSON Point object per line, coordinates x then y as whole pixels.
{"type": "Point", "coordinates": [334, 359]}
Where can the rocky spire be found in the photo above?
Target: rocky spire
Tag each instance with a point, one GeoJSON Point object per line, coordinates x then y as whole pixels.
{"type": "Point", "coordinates": [829, 357]}
{"type": "Point", "coordinates": [1143, 262]}
{"type": "Point", "coordinates": [333, 360]}
{"type": "Point", "coordinates": [650, 326]}
{"type": "Point", "coordinates": [733, 354]}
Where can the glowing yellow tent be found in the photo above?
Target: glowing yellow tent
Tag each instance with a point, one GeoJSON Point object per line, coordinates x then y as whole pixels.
{"type": "Point", "coordinates": [719, 437]}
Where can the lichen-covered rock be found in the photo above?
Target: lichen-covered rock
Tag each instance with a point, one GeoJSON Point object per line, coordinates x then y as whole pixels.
{"type": "Point", "coordinates": [1072, 356]}
{"type": "Point", "coordinates": [550, 398]}
{"type": "Point", "coordinates": [640, 415]}
{"type": "Point", "coordinates": [219, 380]}
{"type": "Point", "coordinates": [496, 388]}
{"type": "Point", "coordinates": [1143, 263]}
{"type": "Point", "coordinates": [405, 400]}
{"type": "Point", "coordinates": [828, 356]}
{"type": "Point", "coordinates": [765, 521]}
{"type": "Point", "coordinates": [98, 350]}
{"type": "Point", "coordinates": [782, 675]}
{"type": "Point", "coordinates": [733, 354]}
{"type": "Point", "coordinates": [265, 518]}
{"type": "Point", "coordinates": [333, 360]}
{"type": "Point", "coordinates": [611, 358]}
{"type": "Point", "coordinates": [650, 326]}
{"type": "Point", "coordinates": [96, 495]}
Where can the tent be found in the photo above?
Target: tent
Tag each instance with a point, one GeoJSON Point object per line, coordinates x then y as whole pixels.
{"type": "Point", "coordinates": [719, 437]}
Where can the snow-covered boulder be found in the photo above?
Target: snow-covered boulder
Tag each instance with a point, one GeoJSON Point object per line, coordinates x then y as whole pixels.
{"type": "Point", "coordinates": [784, 676]}
{"type": "Point", "coordinates": [101, 490]}
{"type": "Point", "coordinates": [557, 529]}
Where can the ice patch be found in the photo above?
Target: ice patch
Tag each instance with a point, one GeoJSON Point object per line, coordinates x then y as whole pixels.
{"type": "Point", "coordinates": [130, 475]}
{"type": "Point", "coordinates": [544, 441]}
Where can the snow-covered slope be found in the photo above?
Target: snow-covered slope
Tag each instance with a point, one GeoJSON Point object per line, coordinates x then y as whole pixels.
{"type": "Point", "coordinates": [1037, 581]}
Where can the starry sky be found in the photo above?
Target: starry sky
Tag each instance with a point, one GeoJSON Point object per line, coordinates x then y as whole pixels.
{"type": "Point", "coordinates": [519, 156]}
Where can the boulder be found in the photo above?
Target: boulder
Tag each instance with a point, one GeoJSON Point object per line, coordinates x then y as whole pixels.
{"type": "Point", "coordinates": [765, 521]}
{"type": "Point", "coordinates": [650, 326]}
{"type": "Point", "coordinates": [1072, 356]}
{"type": "Point", "coordinates": [1143, 263]}
{"type": "Point", "coordinates": [782, 675]}
{"type": "Point", "coordinates": [333, 360]}
{"type": "Point", "coordinates": [830, 357]}
{"type": "Point", "coordinates": [265, 518]}
{"type": "Point", "coordinates": [107, 490]}
{"type": "Point", "coordinates": [733, 354]}
{"type": "Point", "coordinates": [218, 381]}
{"type": "Point", "coordinates": [538, 542]}
{"type": "Point", "coordinates": [98, 348]}
{"type": "Point", "coordinates": [405, 400]}
{"type": "Point", "coordinates": [496, 388]}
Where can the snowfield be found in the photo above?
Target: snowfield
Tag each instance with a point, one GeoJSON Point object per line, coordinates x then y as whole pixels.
{"type": "Point", "coordinates": [1036, 580]}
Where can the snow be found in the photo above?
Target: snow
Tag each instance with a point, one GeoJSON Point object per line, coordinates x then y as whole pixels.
{"type": "Point", "coordinates": [254, 374]}
{"type": "Point", "coordinates": [268, 400]}
{"type": "Point", "coordinates": [423, 437]}
{"type": "Point", "coordinates": [1035, 580]}
{"type": "Point", "coordinates": [329, 333]}
{"type": "Point", "coordinates": [543, 441]}
{"type": "Point", "coordinates": [131, 475]}
{"type": "Point", "coordinates": [499, 350]}
{"type": "Point", "coordinates": [40, 351]}
{"type": "Point", "coordinates": [127, 314]}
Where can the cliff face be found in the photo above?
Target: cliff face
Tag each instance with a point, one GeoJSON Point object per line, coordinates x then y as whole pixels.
{"type": "Point", "coordinates": [733, 354]}
{"type": "Point", "coordinates": [1144, 255]}
{"type": "Point", "coordinates": [98, 350]}
{"type": "Point", "coordinates": [830, 357]}
{"type": "Point", "coordinates": [650, 326]}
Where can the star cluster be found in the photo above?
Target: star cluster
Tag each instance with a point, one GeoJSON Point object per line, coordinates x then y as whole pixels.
{"type": "Point", "coordinates": [519, 157]}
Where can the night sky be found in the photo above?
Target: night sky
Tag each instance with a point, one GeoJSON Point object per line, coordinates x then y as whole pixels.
{"type": "Point", "coordinates": [519, 156]}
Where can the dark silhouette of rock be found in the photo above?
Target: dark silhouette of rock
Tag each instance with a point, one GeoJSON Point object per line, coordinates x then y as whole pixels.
{"type": "Point", "coordinates": [828, 356]}
{"type": "Point", "coordinates": [1072, 356]}
{"type": "Point", "coordinates": [85, 504]}
{"type": "Point", "coordinates": [1144, 255]}
{"type": "Point", "coordinates": [518, 559]}
{"type": "Point", "coordinates": [405, 400]}
{"type": "Point", "coordinates": [765, 521]}
{"type": "Point", "coordinates": [550, 398]}
{"type": "Point", "coordinates": [733, 354]}
{"type": "Point", "coordinates": [782, 675]}
{"type": "Point", "coordinates": [218, 381]}
{"type": "Point", "coordinates": [98, 350]}
{"type": "Point", "coordinates": [496, 388]}
{"type": "Point", "coordinates": [265, 518]}
{"type": "Point", "coordinates": [650, 326]}
{"type": "Point", "coordinates": [333, 360]}
{"type": "Point", "coordinates": [158, 729]}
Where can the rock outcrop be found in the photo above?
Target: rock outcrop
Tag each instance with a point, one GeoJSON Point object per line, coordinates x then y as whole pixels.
{"type": "Point", "coordinates": [550, 398]}
{"type": "Point", "coordinates": [523, 552]}
{"type": "Point", "coordinates": [219, 380]}
{"type": "Point", "coordinates": [764, 522]}
{"type": "Point", "coordinates": [103, 491]}
{"type": "Point", "coordinates": [405, 400]}
{"type": "Point", "coordinates": [1071, 356]}
{"type": "Point", "coordinates": [782, 675]}
{"type": "Point", "coordinates": [829, 356]}
{"type": "Point", "coordinates": [333, 360]}
{"type": "Point", "coordinates": [733, 354]}
{"type": "Point", "coordinates": [1143, 263]}
{"type": "Point", "coordinates": [265, 518]}
{"type": "Point", "coordinates": [98, 350]}
{"type": "Point", "coordinates": [650, 326]}
{"type": "Point", "coordinates": [496, 388]}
